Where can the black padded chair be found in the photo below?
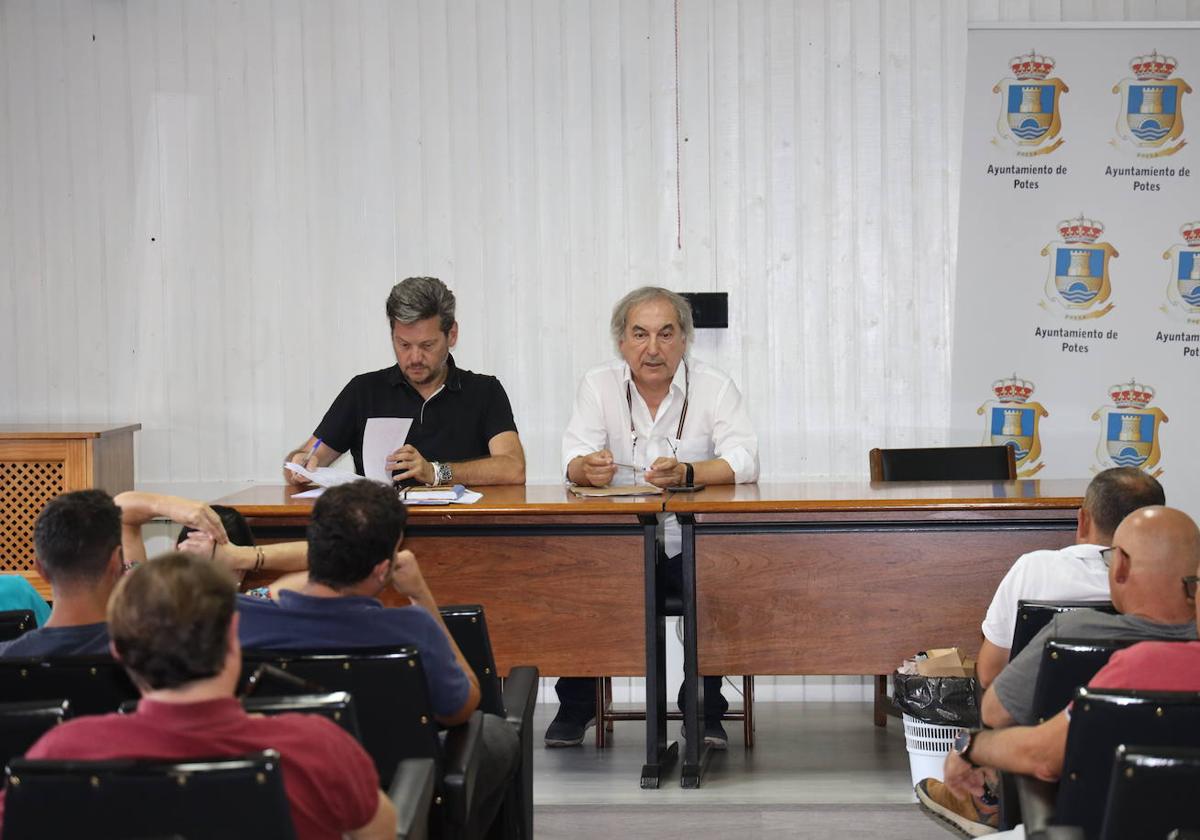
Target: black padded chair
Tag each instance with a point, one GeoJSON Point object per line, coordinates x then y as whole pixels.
{"type": "Point", "coordinates": [227, 797]}
{"type": "Point", "coordinates": [396, 722]}
{"type": "Point", "coordinates": [514, 701]}
{"type": "Point", "coordinates": [1101, 721]}
{"type": "Point", "coordinates": [1032, 616]}
{"type": "Point", "coordinates": [938, 463]}
{"type": "Point", "coordinates": [1067, 665]}
{"type": "Point", "coordinates": [1152, 792]}
{"type": "Point", "coordinates": [21, 724]}
{"type": "Point", "coordinates": [93, 684]}
{"type": "Point", "coordinates": [14, 623]}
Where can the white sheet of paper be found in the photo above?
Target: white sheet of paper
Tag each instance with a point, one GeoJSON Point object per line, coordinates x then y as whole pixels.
{"type": "Point", "coordinates": [382, 437]}
{"type": "Point", "coordinates": [314, 493]}
{"type": "Point", "coordinates": [323, 476]}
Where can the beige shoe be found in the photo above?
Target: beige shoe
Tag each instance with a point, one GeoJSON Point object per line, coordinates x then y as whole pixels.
{"type": "Point", "coordinates": [965, 814]}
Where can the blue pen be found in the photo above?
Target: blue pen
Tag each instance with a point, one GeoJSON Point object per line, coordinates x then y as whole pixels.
{"type": "Point", "coordinates": [315, 447]}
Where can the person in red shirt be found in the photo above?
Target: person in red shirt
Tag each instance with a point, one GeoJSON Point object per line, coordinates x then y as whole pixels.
{"type": "Point", "coordinates": [1039, 750]}
{"type": "Point", "coordinates": [173, 626]}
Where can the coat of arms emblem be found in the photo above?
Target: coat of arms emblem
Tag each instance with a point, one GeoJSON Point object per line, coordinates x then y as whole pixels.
{"type": "Point", "coordinates": [1030, 119]}
{"type": "Point", "coordinates": [1078, 280]}
{"type": "Point", "coordinates": [1129, 428]}
{"type": "Point", "coordinates": [1012, 420]}
{"type": "Point", "coordinates": [1183, 285]}
{"type": "Point", "coordinates": [1150, 120]}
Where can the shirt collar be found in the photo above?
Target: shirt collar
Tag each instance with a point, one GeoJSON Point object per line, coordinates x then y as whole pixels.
{"type": "Point", "coordinates": [197, 715]}
{"type": "Point", "coordinates": [453, 377]}
{"type": "Point", "coordinates": [313, 603]}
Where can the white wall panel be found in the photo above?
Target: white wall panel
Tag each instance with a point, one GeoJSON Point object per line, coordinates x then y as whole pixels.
{"type": "Point", "coordinates": [203, 204]}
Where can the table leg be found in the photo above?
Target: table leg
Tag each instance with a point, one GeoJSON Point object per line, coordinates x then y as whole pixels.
{"type": "Point", "coordinates": [695, 751]}
{"type": "Point", "coordinates": [660, 756]}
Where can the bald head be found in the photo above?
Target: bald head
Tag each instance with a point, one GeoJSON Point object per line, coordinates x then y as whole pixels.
{"type": "Point", "coordinates": [1157, 546]}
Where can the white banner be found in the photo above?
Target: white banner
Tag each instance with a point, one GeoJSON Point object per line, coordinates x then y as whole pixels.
{"type": "Point", "coordinates": [1077, 316]}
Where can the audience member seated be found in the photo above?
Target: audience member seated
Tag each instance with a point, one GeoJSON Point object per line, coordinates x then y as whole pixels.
{"type": "Point", "coordinates": [354, 554]}
{"type": "Point", "coordinates": [1144, 567]}
{"type": "Point", "coordinates": [78, 541]}
{"type": "Point", "coordinates": [1039, 750]}
{"type": "Point", "coordinates": [240, 553]}
{"type": "Point", "coordinates": [174, 628]}
{"type": "Point", "coordinates": [1074, 573]}
{"type": "Point", "coordinates": [16, 593]}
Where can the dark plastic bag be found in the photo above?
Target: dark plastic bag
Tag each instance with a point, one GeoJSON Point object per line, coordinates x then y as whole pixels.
{"type": "Point", "coordinates": [944, 701]}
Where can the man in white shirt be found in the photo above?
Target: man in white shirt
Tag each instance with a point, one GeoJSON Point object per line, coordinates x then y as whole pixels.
{"type": "Point", "coordinates": [1074, 573]}
{"type": "Point", "coordinates": [654, 416]}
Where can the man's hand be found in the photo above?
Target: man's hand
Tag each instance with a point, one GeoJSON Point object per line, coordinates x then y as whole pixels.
{"type": "Point", "coordinates": [961, 777]}
{"type": "Point", "coordinates": [598, 468]}
{"type": "Point", "coordinates": [306, 458]}
{"type": "Point", "coordinates": [666, 472]}
{"type": "Point", "coordinates": [407, 578]}
{"type": "Point", "coordinates": [412, 464]}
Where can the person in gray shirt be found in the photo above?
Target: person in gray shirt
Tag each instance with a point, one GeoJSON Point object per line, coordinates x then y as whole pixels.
{"type": "Point", "coordinates": [1145, 564]}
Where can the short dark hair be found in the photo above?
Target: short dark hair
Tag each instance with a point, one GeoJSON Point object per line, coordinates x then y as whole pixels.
{"type": "Point", "coordinates": [75, 535]}
{"type": "Point", "coordinates": [353, 527]}
{"type": "Point", "coordinates": [1117, 492]}
{"type": "Point", "coordinates": [236, 526]}
{"type": "Point", "coordinates": [169, 620]}
{"type": "Point", "coordinates": [417, 298]}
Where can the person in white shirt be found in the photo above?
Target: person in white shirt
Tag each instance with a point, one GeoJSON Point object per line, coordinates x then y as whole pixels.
{"type": "Point", "coordinates": [1074, 573]}
{"type": "Point", "coordinates": [659, 417]}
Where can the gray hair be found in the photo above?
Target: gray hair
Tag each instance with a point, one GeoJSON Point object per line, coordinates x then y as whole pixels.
{"type": "Point", "coordinates": [683, 311]}
{"type": "Point", "coordinates": [417, 298]}
{"type": "Point", "coordinates": [1117, 492]}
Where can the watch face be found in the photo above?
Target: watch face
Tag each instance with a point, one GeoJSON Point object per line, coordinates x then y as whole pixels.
{"type": "Point", "coordinates": [962, 741]}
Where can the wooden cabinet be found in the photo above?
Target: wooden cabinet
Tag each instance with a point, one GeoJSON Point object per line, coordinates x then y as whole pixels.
{"type": "Point", "coordinates": [40, 461]}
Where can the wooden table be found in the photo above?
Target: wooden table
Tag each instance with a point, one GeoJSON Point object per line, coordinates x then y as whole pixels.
{"type": "Point", "coordinates": [39, 461]}
{"type": "Point", "coordinates": [848, 577]}
{"type": "Point", "coordinates": [561, 578]}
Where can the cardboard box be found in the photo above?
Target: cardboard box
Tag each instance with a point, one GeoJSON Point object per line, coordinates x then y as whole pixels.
{"type": "Point", "coordinates": [945, 662]}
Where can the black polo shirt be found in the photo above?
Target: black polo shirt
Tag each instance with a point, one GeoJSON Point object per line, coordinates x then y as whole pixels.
{"type": "Point", "coordinates": [454, 425]}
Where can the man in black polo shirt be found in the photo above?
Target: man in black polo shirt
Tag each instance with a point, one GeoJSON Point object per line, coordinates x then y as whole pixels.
{"type": "Point", "coordinates": [462, 423]}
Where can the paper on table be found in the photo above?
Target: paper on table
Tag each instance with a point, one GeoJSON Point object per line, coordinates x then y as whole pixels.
{"type": "Point", "coordinates": [382, 437]}
{"type": "Point", "coordinates": [314, 493]}
{"type": "Point", "coordinates": [323, 476]}
{"type": "Point", "coordinates": [456, 495]}
{"type": "Point", "coordinates": [620, 490]}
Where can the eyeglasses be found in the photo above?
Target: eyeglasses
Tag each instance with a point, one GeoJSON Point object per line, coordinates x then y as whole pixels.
{"type": "Point", "coordinates": [1189, 586]}
{"type": "Point", "coordinates": [1106, 554]}
{"type": "Point", "coordinates": [650, 445]}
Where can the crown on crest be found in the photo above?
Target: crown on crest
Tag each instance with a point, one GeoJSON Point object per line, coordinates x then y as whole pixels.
{"type": "Point", "coordinates": [1153, 67]}
{"type": "Point", "coordinates": [1191, 234]}
{"type": "Point", "coordinates": [1131, 394]}
{"type": "Point", "coordinates": [1080, 229]}
{"type": "Point", "coordinates": [1012, 390]}
{"type": "Point", "coordinates": [1032, 66]}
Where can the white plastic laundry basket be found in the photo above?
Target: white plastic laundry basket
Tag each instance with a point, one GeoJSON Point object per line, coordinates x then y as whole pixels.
{"type": "Point", "coordinates": [928, 745]}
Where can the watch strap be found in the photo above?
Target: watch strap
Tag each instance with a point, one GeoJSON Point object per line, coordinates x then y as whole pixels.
{"type": "Point", "coordinates": [689, 475]}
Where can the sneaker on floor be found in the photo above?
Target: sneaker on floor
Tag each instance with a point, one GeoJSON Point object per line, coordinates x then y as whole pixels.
{"type": "Point", "coordinates": [965, 814]}
{"type": "Point", "coordinates": [714, 735]}
{"type": "Point", "coordinates": [567, 728]}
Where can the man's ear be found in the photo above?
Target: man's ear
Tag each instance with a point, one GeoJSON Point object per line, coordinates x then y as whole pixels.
{"type": "Point", "coordinates": [116, 562]}
{"type": "Point", "coordinates": [452, 336]}
{"type": "Point", "coordinates": [1083, 526]}
{"type": "Point", "coordinates": [1121, 565]}
{"type": "Point", "coordinates": [112, 649]}
{"type": "Point", "coordinates": [382, 569]}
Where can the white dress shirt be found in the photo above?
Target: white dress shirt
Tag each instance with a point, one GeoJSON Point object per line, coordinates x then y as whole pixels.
{"type": "Point", "coordinates": [716, 426]}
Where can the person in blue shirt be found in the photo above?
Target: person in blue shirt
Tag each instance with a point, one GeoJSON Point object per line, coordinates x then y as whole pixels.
{"type": "Point", "coordinates": [16, 593]}
{"type": "Point", "coordinates": [354, 555]}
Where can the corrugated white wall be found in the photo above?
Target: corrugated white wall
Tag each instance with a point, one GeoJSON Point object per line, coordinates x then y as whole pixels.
{"type": "Point", "coordinates": [203, 204]}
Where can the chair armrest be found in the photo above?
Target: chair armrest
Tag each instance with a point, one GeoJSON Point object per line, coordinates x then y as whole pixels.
{"type": "Point", "coordinates": [461, 757]}
{"type": "Point", "coordinates": [1037, 800]}
{"type": "Point", "coordinates": [520, 695]}
{"type": "Point", "coordinates": [412, 794]}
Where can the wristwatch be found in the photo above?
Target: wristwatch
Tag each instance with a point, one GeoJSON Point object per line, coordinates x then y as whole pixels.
{"type": "Point", "coordinates": [963, 742]}
{"type": "Point", "coordinates": [443, 475]}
